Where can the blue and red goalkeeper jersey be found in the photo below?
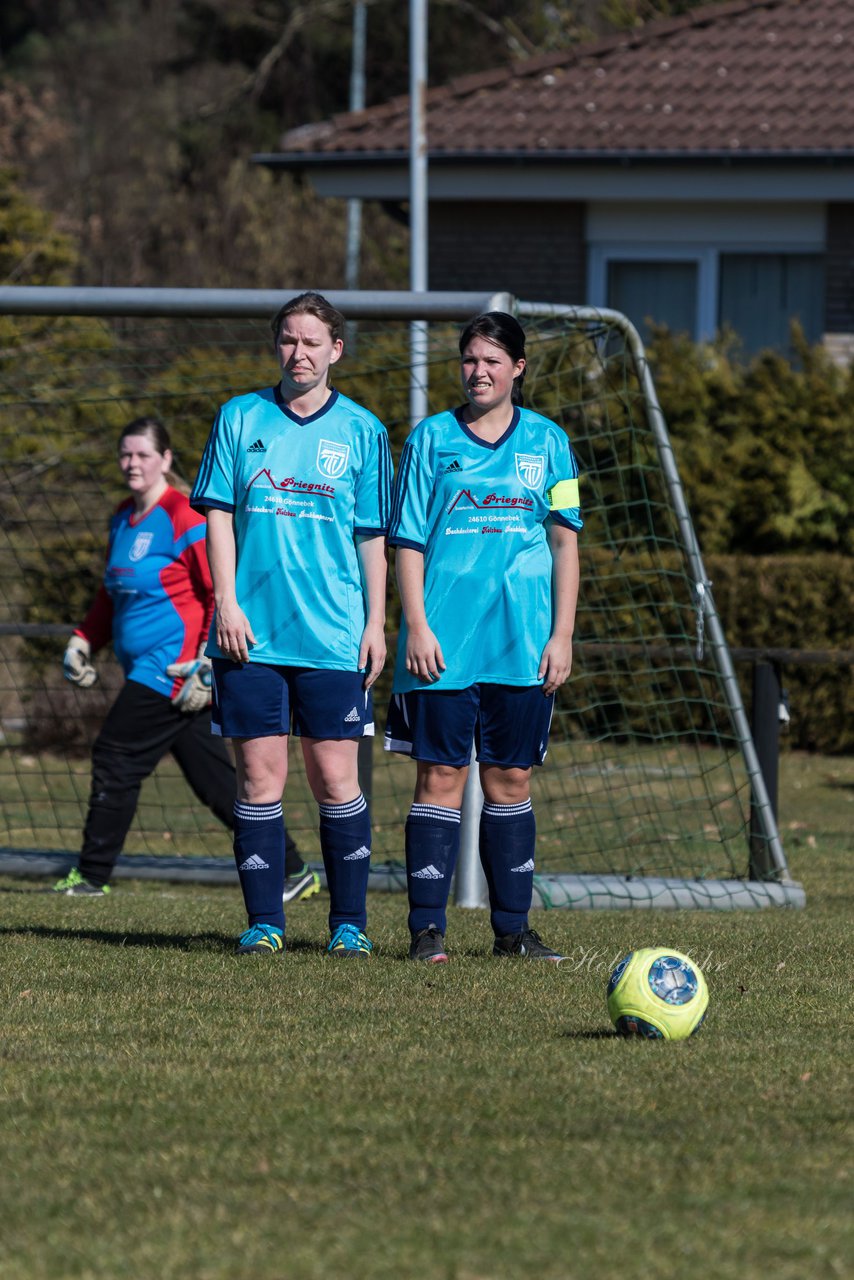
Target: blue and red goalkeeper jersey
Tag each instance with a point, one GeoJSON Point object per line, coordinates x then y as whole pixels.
{"type": "Point", "coordinates": [156, 601]}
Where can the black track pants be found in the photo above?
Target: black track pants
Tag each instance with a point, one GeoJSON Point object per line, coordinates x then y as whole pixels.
{"type": "Point", "coordinates": [140, 728]}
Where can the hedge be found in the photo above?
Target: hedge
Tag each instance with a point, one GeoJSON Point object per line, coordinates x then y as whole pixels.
{"type": "Point", "coordinates": [795, 602]}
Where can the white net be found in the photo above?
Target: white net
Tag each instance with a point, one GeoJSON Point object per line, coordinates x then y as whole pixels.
{"type": "Point", "coordinates": [646, 780]}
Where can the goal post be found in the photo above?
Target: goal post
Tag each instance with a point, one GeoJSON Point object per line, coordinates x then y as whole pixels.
{"type": "Point", "coordinates": [652, 794]}
{"type": "Point", "coordinates": [767, 881]}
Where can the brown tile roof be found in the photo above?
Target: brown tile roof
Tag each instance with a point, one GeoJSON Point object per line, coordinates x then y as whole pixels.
{"type": "Point", "coordinates": [767, 76]}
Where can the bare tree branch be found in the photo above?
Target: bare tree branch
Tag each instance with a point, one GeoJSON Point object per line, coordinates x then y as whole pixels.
{"type": "Point", "coordinates": [507, 30]}
{"type": "Point", "coordinates": [305, 14]}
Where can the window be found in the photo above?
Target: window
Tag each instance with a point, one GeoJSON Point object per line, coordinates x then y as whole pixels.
{"type": "Point", "coordinates": [760, 293]}
{"type": "Point", "coordinates": [672, 285]}
{"type": "Point", "coordinates": [756, 294]}
{"type": "Point", "coordinates": [657, 292]}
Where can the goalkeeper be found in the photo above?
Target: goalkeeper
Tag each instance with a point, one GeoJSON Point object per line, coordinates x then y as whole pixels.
{"type": "Point", "coordinates": [155, 604]}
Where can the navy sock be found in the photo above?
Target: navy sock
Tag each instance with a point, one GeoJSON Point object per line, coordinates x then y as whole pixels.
{"type": "Point", "coordinates": [507, 837]}
{"type": "Point", "coordinates": [259, 851]}
{"type": "Point", "coordinates": [432, 845]}
{"type": "Point", "coordinates": [345, 842]}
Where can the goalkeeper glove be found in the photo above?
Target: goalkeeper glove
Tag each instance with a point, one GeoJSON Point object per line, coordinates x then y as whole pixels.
{"type": "Point", "coordinates": [76, 666]}
{"type": "Point", "coordinates": [195, 692]}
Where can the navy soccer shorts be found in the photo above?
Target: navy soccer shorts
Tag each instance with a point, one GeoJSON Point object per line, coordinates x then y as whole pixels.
{"type": "Point", "coordinates": [508, 724]}
{"type": "Point", "coordinates": [256, 700]}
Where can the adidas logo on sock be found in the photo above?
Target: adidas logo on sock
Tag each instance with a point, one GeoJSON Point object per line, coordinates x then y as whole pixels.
{"type": "Point", "coordinates": [357, 854]}
{"type": "Point", "coordinates": [352, 717]}
{"type": "Point", "coordinates": [427, 873]}
{"type": "Point", "coordinates": [258, 447]}
{"type": "Point", "coordinates": [526, 866]}
{"type": "Point", "coordinates": [255, 864]}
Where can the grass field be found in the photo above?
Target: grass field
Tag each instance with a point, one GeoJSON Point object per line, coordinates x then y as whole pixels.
{"type": "Point", "coordinates": [167, 1110]}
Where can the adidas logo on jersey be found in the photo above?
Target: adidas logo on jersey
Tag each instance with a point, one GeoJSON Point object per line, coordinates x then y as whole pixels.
{"type": "Point", "coordinates": [427, 873]}
{"type": "Point", "coordinates": [357, 854]}
{"type": "Point", "coordinates": [452, 466]}
{"type": "Point", "coordinates": [352, 717]}
{"type": "Point", "coordinates": [526, 866]}
{"type": "Point", "coordinates": [255, 864]}
{"type": "Point", "coordinates": [258, 447]}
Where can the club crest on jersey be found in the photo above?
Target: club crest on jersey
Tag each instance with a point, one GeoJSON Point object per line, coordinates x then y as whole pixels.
{"type": "Point", "coordinates": [530, 468]}
{"type": "Point", "coordinates": [141, 543]}
{"type": "Point", "coordinates": [332, 458]}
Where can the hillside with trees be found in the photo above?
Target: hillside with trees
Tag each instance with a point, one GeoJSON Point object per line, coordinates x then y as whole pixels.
{"type": "Point", "coordinates": [132, 122]}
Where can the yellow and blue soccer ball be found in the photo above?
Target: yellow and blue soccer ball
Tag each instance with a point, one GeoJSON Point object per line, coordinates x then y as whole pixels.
{"type": "Point", "coordinates": [657, 993]}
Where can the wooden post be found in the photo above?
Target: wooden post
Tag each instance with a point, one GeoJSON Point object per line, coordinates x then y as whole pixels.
{"type": "Point", "coordinates": [765, 728]}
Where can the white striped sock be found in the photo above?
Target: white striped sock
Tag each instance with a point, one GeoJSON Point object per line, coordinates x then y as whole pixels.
{"type": "Point", "coordinates": [435, 813]}
{"type": "Point", "coordinates": [257, 812]}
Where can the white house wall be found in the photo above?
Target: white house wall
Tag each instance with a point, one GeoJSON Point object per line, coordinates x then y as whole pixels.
{"type": "Point", "coordinates": [745, 224]}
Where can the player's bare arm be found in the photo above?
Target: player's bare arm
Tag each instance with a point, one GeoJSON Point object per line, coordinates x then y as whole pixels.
{"type": "Point", "coordinates": [424, 657]}
{"type": "Point", "coordinates": [556, 660]}
{"type": "Point", "coordinates": [373, 561]}
{"type": "Point", "coordinates": [234, 633]}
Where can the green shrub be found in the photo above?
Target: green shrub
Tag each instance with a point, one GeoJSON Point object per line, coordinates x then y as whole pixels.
{"type": "Point", "coordinates": [795, 602]}
{"type": "Point", "coordinates": [765, 449]}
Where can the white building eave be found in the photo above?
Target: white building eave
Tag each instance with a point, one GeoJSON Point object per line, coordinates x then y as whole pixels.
{"type": "Point", "coordinates": [568, 176]}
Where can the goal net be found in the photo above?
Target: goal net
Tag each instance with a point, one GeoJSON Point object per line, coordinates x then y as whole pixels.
{"type": "Point", "coordinates": [651, 794]}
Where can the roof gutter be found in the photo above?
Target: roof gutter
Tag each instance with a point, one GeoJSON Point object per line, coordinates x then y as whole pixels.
{"type": "Point", "coordinates": [295, 161]}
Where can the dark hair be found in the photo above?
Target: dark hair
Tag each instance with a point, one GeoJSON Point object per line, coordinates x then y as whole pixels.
{"type": "Point", "coordinates": [311, 304]}
{"type": "Point", "coordinates": [151, 427]}
{"type": "Point", "coordinates": [506, 332]}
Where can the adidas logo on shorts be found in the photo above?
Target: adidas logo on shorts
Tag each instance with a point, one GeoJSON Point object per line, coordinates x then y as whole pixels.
{"type": "Point", "coordinates": [357, 854]}
{"type": "Point", "coordinates": [352, 717]}
{"type": "Point", "coordinates": [526, 866]}
{"type": "Point", "coordinates": [258, 447]}
{"type": "Point", "coordinates": [255, 864]}
{"type": "Point", "coordinates": [427, 873]}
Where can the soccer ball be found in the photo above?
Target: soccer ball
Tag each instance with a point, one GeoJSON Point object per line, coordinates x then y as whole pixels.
{"type": "Point", "coordinates": [657, 993]}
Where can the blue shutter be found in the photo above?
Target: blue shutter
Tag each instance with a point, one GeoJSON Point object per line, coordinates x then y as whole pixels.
{"type": "Point", "coordinates": [760, 293]}
{"type": "Point", "coordinates": [661, 292]}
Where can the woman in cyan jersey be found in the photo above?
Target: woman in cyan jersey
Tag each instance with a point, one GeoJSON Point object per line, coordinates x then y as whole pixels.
{"type": "Point", "coordinates": [485, 517]}
{"type": "Point", "coordinates": [296, 482]}
{"type": "Point", "coordinates": [155, 605]}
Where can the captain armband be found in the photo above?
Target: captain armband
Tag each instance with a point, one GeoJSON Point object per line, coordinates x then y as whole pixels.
{"type": "Point", "coordinates": [563, 495]}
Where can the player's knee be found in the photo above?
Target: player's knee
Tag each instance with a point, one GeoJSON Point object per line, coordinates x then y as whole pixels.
{"type": "Point", "coordinates": [335, 785]}
{"type": "Point", "coordinates": [262, 770]}
{"type": "Point", "coordinates": [505, 786]}
{"type": "Point", "coordinates": [114, 771]}
{"type": "Point", "coordinates": [441, 784]}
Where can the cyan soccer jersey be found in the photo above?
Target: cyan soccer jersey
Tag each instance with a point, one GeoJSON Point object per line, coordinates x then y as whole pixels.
{"type": "Point", "coordinates": [478, 512]}
{"type": "Point", "coordinates": [301, 489]}
{"type": "Point", "coordinates": [156, 600]}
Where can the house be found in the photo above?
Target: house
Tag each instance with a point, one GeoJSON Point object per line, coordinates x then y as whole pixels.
{"type": "Point", "coordinates": [699, 172]}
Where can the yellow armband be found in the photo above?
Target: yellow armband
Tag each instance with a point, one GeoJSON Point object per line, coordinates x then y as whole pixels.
{"type": "Point", "coordinates": [562, 495]}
